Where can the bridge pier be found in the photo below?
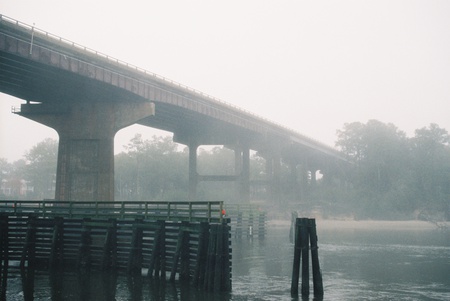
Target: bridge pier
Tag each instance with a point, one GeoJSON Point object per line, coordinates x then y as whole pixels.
{"type": "Point", "coordinates": [85, 169]}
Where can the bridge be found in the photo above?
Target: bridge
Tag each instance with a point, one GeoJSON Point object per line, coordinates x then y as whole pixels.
{"type": "Point", "coordinates": [87, 96]}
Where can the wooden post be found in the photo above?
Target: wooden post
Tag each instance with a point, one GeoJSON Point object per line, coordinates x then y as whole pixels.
{"type": "Point", "coordinates": [294, 216]}
{"type": "Point", "coordinates": [57, 249]}
{"type": "Point", "coordinates": [218, 267]}
{"type": "Point", "coordinates": [210, 259]}
{"type": "Point", "coordinates": [250, 224]}
{"type": "Point", "coordinates": [28, 252]}
{"type": "Point", "coordinates": [262, 224]}
{"type": "Point", "coordinates": [110, 246]}
{"type": "Point", "coordinates": [317, 275]}
{"type": "Point", "coordinates": [226, 256]}
{"type": "Point", "coordinates": [297, 256]}
{"type": "Point", "coordinates": [135, 259]}
{"type": "Point", "coordinates": [239, 225]}
{"type": "Point", "coordinates": [157, 260]}
{"type": "Point", "coordinates": [184, 257]}
{"type": "Point", "coordinates": [304, 242]}
{"type": "Point", "coordinates": [84, 252]}
{"type": "Point", "coordinates": [305, 230]}
{"type": "Point", "coordinates": [4, 258]}
{"type": "Point", "coordinates": [181, 246]}
{"type": "Point", "coordinates": [202, 249]}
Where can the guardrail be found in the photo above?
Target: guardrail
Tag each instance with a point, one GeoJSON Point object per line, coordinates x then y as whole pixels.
{"type": "Point", "coordinates": [170, 211]}
{"type": "Point", "coordinates": [34, 29]}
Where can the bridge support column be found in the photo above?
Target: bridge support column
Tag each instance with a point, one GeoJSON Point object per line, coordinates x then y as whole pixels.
{"type": "Point", "coordinates": [85, 170]}
{"type": "Point", "coordinates": [193, 175]}
{"type": "Point", "coordinates": [245, 175]}
{"type": "Point", "coordinates": [242, 172]}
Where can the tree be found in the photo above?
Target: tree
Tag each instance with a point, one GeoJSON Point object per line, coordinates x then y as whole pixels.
{"type": "Point", "coordinates": [151, 169]}
{"type": "Point", "coordinates": [431, 154]}
{"type": "Point", "coordinates": [380, 153]}
{"type": "Point", "coordinates": [40, 169]}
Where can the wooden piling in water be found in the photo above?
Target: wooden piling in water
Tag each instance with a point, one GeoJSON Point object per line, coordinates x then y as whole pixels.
{"type": "Point", "coordinates": [29, 248]}
{"type": "Point", "coordinates": [57, 248]}
{"type": "Point", "coordinates": [84, 252]}
{"type": "Point", "coordinates": [4, 258]}
{"type": "Point", "coordinates": [202, 249]}
{"type": "Point", "coordinates": [305, 232]}
{"type": "Point", "coordinates": [134, 266]}
{"type": "Point", "coordinates": [317, 274]}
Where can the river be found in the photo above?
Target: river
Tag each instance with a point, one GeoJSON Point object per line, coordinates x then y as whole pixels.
{"type": "Point", "coordinates": [359, 261]}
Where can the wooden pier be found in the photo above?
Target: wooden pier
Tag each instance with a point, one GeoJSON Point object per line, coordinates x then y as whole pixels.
{"type": "Point", "coordinates": [188, 241]}
{"type": "Point", "coordinates": [247, 220]}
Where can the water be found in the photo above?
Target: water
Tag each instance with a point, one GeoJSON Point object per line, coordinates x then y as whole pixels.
{"type": "Point", "coordinates": [357, 264]}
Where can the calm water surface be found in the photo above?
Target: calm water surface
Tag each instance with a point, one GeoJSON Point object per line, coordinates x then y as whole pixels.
{"type": "Point", "coordinates": [356, 265]}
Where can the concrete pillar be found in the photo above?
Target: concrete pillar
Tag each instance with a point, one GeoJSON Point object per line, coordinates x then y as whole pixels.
{"type": "Point", "coordinates": [242, 171]}
{"type": "Point", "coordinates": [193, 175]}
{"type": "Point", "coordinates": [269, 176]}
{"type": "Point", "coordinates": [85, 170]}
{"type": "Point", "coordinates": [245, 175]}
{"type": "Point", "coordinates": [293, 180]}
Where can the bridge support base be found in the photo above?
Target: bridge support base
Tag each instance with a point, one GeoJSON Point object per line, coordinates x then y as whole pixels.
{"type": "Point", "coordinates": [86, 131]}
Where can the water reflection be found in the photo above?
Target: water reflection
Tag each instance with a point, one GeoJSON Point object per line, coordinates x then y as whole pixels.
{"type": "Point", "coordinates": [356, 264]}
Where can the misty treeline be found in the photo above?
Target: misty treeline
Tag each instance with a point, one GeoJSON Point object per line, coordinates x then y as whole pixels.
{"type": "Point", "coordinates": [393, 176]}
{"type": "Point", "coordinates": [389, 176]}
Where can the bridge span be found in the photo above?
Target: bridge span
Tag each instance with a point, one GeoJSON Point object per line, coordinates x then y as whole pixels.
{"type": "Point", "coordinates": [88, 96]}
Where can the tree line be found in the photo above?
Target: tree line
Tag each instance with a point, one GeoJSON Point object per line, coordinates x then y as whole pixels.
{"type": "Point", "coordinates": [389, 176]}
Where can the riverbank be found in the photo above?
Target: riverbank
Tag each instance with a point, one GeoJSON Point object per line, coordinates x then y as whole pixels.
{"type": "Point", "coordinates": [368, 224]}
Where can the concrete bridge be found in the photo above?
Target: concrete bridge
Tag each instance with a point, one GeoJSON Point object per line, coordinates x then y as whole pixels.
{"type": "Point", "coordinates": [87, 97]}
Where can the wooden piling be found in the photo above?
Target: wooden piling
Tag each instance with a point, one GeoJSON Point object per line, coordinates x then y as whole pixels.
{"type": "Point", "coordinates": [297, 256]}
{"type": "Point", "coordinates": [305, 232]}
{"type": "Point", "coordinates": [304, 242]}
{"type": "Point", "coordinates": [202, 249]}
{"type": "Point", "coordinates": [210, 258]}
{"type": "Point", "coordinates": [180, 251]}
{"type": "Point", "coordinates": [134, 266]}
{"type": "Point", "coordinates": [317, 274]}
{"type": "Point", "coordinates": [57, 248]}
{"type": "Point", "coordinates": [4, 258]}
{"type": "Point", "coordinates": [157, 260]}
{"type": "Point", "coordinates": [84, 252]}
{"type": "Point", "coordinates": [109, 258]}
{"type": "Point", "coordinates": [29, 248]}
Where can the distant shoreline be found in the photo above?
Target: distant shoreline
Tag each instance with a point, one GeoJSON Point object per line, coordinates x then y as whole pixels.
{"type": "Point", "coordinates": [367, 224]}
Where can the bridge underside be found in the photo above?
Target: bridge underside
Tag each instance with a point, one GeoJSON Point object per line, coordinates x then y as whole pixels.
{"type": "Point", "coordinates": [87, 99]}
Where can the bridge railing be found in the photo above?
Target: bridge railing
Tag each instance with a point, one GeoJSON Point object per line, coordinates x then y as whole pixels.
{"type": "Point", "coordinates": [176, 211]}
{"type": "Point", "coordinates": [34, 29]}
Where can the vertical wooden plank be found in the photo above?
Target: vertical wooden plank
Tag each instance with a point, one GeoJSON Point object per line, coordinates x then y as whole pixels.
{"type": "Point", "coordinates": [134, 265]}
{"type": "Point", "coordinates": [317, 274]}
{"type": "Point", "coordinates": [56, 253]}
{"type": "Point", "coordinates": [84, 252]}
{"type": "Point", "coordinates": [297, 256]}
{"type": "Point", "coordinates": [28, 251]}
{"type": "Point", "coordinates": [4, 258]}
{"type": "Point", "coordinates": [304, 241]}
{"type": "Point", "coordinates": [202, 249]}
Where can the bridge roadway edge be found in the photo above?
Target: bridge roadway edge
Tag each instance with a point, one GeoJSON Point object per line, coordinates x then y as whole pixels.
{"type": "Point", "coordinates": [188, 114]}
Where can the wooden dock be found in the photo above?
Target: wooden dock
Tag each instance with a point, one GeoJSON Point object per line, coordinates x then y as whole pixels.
{"type": "Point", "coordinates": [246, 220]}
{"type": "Point", "coordinates": [187, 241]}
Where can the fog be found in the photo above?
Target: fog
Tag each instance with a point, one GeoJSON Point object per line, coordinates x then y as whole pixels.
{"type": "Point", "coordinates": [311, 65]}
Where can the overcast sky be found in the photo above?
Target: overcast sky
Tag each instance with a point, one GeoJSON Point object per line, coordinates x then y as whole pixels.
{"type": "Point", "coordinates": [309, 65]}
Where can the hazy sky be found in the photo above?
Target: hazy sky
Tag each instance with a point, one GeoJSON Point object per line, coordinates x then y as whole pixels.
{"type": "Point", "coordinates": [309, 65]}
